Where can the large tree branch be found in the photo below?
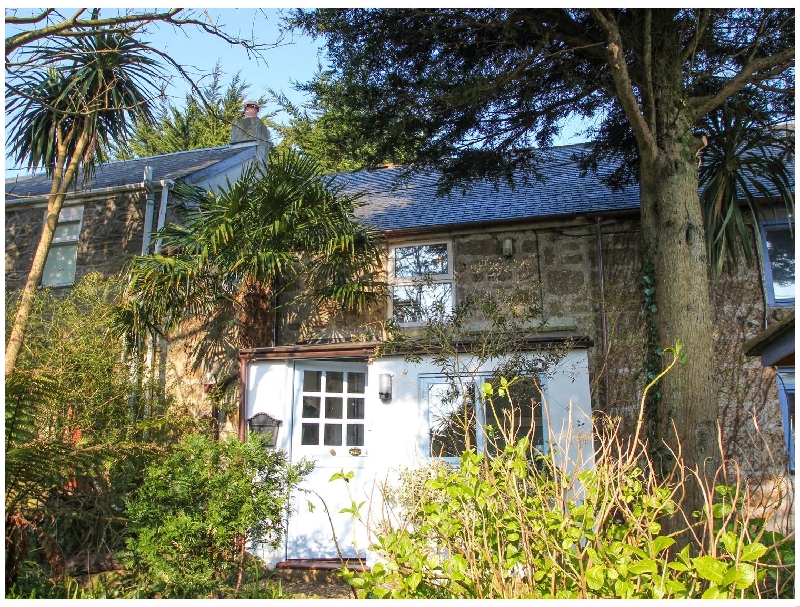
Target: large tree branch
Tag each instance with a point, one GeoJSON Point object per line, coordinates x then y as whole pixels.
{"type": "Point", "coordinates": [615, 56]}
{"type": "Point", "coordinates": [649, 93]}
{"type": "Point", "coordinates": [68, 26]}
{"type": "Point", "coordinates": [774, 64]}
{"type": "Point", "coordinates": [14, 20]}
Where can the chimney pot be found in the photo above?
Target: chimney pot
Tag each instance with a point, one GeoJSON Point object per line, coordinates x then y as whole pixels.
{"type": "Point", "coordinates": [251, 109]}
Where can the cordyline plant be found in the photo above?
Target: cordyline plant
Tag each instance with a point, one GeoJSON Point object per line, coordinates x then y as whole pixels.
{"type": "Point", "coordinates": [88, 92]}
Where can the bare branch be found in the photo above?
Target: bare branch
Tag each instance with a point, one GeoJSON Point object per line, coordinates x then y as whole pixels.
{"type": "Point", "coordinates": [13, 19]}
{"type": "Point", "coordinates": [773, 65]}
{"type": "Point", "coordinates": [67, 27]}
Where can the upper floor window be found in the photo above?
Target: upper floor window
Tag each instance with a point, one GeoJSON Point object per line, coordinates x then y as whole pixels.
{"type": "Point", "coordinates": [778, 242]}
{"type": "Point", "coordinates": [59, 269]}
{"type": "Point", "coordinates": [421, 278]}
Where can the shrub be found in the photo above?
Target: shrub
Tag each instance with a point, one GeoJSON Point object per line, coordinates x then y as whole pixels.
{"type": "Point", "coordinates": [78, 433]}
{"type": "Point", "coordinates": [524, 524]}
{"type": "Point", "coordinates": [200, 507]}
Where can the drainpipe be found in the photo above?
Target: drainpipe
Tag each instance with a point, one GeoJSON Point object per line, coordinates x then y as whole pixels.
{"type": "Point", "coordinates": [603, 321]}
{"type": "Point", "coordinates": [243, 359]}
{"type": "Point", "coordinates": [149, 209]}
{"type": "Point", "coordinates": [166, 185]}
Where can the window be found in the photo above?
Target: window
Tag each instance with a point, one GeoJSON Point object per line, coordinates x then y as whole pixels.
{"type": "Point", "coordinates": [455, 413]}
{"type": "Point", "coordinates": [421, 278]}
{"type": "Point", "coordinates": [59, 269]}
{"type": "Point", "coordinates": [778, 243]}
{"type": "Point", "coordinates": [786, 394]}
{"type": "Point", "coordinates": [332, 411]}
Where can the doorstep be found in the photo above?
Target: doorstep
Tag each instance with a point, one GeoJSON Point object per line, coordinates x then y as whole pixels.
{"type": "Point", "coordinates": [317, 570]}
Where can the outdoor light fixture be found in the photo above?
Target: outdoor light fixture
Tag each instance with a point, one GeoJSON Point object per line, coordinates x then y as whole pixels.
{"type": "Point", "coordinates": [385, 386]}
{"type": "Point", "coordinates": [508, 247]}
{"type": "Point", "coordinates": [262, 423]}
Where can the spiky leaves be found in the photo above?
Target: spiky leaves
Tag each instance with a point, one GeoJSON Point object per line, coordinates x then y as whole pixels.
{"type": "Point", "coordinates": [282, 226]}
{"type": "Point", "coordinates": [745, 165]}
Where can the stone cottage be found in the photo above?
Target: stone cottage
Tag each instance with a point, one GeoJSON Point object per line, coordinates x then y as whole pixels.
{"type": "Point", "coordinates": [562, 253]}
{"type": "Point", "coordinates": [113, 216]}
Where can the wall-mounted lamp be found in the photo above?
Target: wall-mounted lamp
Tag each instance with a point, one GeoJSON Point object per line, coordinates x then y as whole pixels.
{"type": "Point", "coordinates": [261, 423]}
{"type": "Point", "coordinates": [385, 386]}
{"type": "Point", "coordinates": [508, 247]}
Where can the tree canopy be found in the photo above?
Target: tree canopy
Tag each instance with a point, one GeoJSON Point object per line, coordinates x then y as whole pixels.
{"type": "Point", "coordinates": [203, 121]}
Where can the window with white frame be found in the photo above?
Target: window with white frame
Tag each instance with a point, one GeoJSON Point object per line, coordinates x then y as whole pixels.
{"type": "Point", "coordinates": [421, 279]}
{"type": "Point", "coordinates": [786, 394]}
{"type": "Point", "coordinates": [778, 243]}
{"type": "Point", "coordinates": [59, 269]}
{"type": "Point", "coordinates": [460, 420]}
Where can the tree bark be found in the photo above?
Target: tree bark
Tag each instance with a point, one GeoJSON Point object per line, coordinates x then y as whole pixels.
{"type": "Point", "coordinates": [58, 191]}
{"type": "Point", "coordinates": [674, 241]}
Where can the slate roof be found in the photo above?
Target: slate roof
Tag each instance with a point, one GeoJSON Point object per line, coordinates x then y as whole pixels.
{"type": "Point", "coordinates": [415, 204]}
{"type": "Point", "coordinates": [176, 166]}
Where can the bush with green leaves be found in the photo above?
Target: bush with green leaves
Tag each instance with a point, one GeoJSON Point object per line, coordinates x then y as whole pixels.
{"type": "Point", "coordinates": [202, 506]}
{"type": "Point", "coordinates": [78, 432]}
{"type": "Point", "coordinates": [521, 524]}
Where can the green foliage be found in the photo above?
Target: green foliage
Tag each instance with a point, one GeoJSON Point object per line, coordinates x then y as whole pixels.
{"type": "Point", "coordinates": [745, 160]}
{"type": "Point", "coordinates": [78, 432]}
{"type": "Point", "coordinates": [505, 527]}
{"type": "Point", "coordinates": [204, 121]}
{"type": "Point", "coordinates": [93, 86]}
{"type": "Point", "coordinates": [281, 226]}
{"type": "Point", "coordinates": [201, 506]}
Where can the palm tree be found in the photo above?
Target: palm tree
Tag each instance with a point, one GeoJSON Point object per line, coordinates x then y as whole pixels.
{"type": "Point", "coordinates": [63, 117]}
{"type": "Point", "coordinates": [283, 226]}
{"type": "Point", "coordinates": [744, 161]}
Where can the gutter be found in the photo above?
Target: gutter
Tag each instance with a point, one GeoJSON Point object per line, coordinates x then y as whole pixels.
{"type": "Point", "coordinates": [21, 200]}
{"type": "Point", "coordinates": [491, 225]}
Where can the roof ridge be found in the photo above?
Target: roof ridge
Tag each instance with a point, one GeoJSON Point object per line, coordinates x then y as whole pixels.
{"type": "Point", "coordinates": [101, 166]}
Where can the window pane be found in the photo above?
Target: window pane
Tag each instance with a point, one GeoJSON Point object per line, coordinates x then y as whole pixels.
{"type": "Point", "coordinates": [508, 420]}
{"type": "Point", "coordinates": [356, 383]}
{"type": "Point", "coordinates": [309, 434]}
{"type": "Point", "coordinates": [780, 249]}
{"type": "Point", "coordinates": [423, 260]}
{"type": "Point", "coordinates": [355, 435]}
{"type": "Point", "coordinates": [311, 406]}
{"type": "Point", "coordinates": [418, 303]}
{"type": "Point", "coordinates": [452, 418]}
{"type": "Point", "coordinates": [59, 269]}
{"type": "Point", "coordinates": [334, 382]}
{"type": "Point", "coordinates": [67, 232]}
{"type": "Point", "coordinates": [333, 434]}
{"type": "Point", "coordinates": [312, 381]}
{"type": "Point", "coordinates": [355, 408]}
{"type": "Point", "coordinates": [333, 407]}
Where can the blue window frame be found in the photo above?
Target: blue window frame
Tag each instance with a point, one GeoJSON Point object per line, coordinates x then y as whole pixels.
{"type": "Point", "coordinates": [777, 239]}
{"type": "Point", "coordinates": [786, 394]}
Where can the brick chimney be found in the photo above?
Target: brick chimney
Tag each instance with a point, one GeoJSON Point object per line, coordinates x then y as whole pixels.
{"type": "Point", "coordinates": [250, 129]}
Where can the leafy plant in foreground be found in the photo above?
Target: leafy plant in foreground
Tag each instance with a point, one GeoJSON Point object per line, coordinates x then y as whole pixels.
{"type": "Point", "coordinates": [200, 508]}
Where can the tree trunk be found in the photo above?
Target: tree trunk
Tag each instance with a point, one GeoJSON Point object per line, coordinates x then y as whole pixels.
{"type": "Point", "coordinates": [672, 227]}
{"type": "Point", "coordinates": [58, 191]}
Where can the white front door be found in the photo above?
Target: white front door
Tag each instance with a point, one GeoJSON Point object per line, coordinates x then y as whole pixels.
{"type": "Point", "coordinates": [330, 425]}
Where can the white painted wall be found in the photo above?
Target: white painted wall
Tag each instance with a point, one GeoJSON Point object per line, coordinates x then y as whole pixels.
{"type": "Point", "coordinates": [396, 438]}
